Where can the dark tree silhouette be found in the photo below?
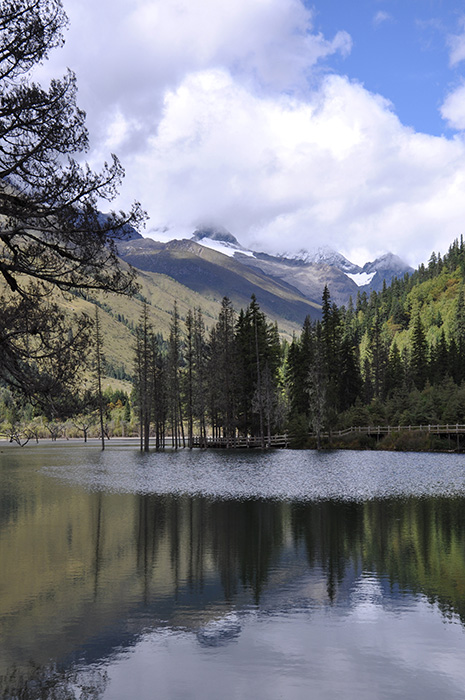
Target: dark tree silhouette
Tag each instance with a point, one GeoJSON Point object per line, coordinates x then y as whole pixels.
{"type": "Point", "coordinates": [52, 235]}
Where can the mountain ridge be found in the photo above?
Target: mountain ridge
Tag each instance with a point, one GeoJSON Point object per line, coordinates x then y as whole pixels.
{"type": "Point", "coordinates": [309, 271]}
{"type": "Point", "coordinates": [215, 275]}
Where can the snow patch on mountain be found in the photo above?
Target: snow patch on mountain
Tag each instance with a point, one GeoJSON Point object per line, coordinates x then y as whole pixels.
{"type": "Point", "coordinates": [220, 239]}
{"type": "Point", "coordinates": [361, 278]}
{"type": "Point", "coordinates": [226, 248]}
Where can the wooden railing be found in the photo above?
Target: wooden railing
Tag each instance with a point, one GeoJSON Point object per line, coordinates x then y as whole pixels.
{"type": "Point", "coordinates": [437, 429]}
{"type": "Point", "coordinates": [243, 442]}
{"type": "Point", "coordinates": [283, 441]}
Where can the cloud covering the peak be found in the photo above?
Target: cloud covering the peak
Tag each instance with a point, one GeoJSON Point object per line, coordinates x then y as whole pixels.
{"type": "Point", "coordinates": [225, 111]}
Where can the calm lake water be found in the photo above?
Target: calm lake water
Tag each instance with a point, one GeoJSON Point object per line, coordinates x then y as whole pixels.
{"type": "Point", "coordinates": [231, 575]}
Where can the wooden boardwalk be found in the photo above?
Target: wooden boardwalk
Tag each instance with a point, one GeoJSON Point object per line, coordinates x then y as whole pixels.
{"type": "Point", "coordinates": [274, 441]}
{"type": "Point", "coordinates": [284, 441]}
{"type": "Point", "coordinates": [373, 430]}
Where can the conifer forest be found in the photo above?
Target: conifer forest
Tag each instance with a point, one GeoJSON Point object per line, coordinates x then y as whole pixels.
{"type": "Point", "coordinates": [389, 358]}
{"type": "Point", "coordinates": [393, 357]}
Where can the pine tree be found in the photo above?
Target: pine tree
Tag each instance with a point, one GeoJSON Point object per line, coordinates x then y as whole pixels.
{"type": "Point", "coordinates": [331, 337]}
{"type": "Point", "coordinates": [258, 326]}
{"type": "Point", "coordinates": [225, 369]}
{"type": "Point", "coordinates": [159, 390]}
{"type": "Point", "coordinates": [174, 380]}
{"type": "Point", "coordinates": [143, 370]}
{"type": "Point", "coordinates": [459, 334]}
{"type": "Point", "coordinates": [439, 360]}
{"type": "Point", "coordinates": [317, 384]}
{"type": "Point", "coordinates": [52, 235]}
{"type": "Point", "coordinates": [350, 380]}
{"type": "Point", "coordinates": [99, 362]}
{"type": "Point", "coordinates": [378, 356]}
{"type": "Point", "coordinates": [394, 376]}
{"type": "Point", "coordinates": [201, 356]}
{"type": "Point", "coordinates": [189, 356]}
{"type": "Point", "coordinates": [419, 355]}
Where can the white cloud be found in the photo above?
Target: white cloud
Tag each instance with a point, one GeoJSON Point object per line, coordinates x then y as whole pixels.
{"type": "Point", "coordinates": [208, 104]}
{"type": "Point", "coordinates": [283, 173]}
{"type": "Point", "coordinates": [456, 43]}
{"type": "Point", "coordinates": [128, 53]}
{"type": "Point", "coordinates": [381, 17]}
{"type": "Point", "coordinates": [453, 108]}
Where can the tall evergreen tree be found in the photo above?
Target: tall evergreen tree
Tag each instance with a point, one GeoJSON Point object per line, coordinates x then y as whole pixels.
{"type": "Point", "coordinates": [190, 364]}
{"type": "Point", "coordinates": [317, 386]}
{"type": "Point", "coordinates": [225, 364]}
{"type": "Point", "coordinates": [159, 390]}
{"type": "Point", "coordinates": [394, 376]}
{"type": "Point", "coordinates": [459, 333]}
{"type": "Point", "coordinates": [419, 355]}
{"type": "Point", "coordinates": [378, 356]}
{"type": "Point", "coordinates": [143, 370]}
{"type": "Point", "coordinates": [174, 379]}
{"type": "Point", "coordinates": [201, 351]}
{"type": "Point", "coordinates": [439, 360]}
{"type": "Point", "coordinates": [331, 337]}
{"type": "Point", "coordinates": [350, 379]}
{"type": "Point", "coordinates": [99, 362]}
{"type": "Point", "coordinates": [52, 235]}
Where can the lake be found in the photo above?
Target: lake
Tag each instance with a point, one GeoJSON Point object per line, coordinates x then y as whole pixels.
{"type": "Point", "coordinates": [222, 574]}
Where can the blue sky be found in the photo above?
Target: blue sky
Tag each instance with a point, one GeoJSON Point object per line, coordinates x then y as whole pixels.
{"type": "Point", "coordinates": [292, 124]}
{"type": "Point", "coordinates": [400, 50]}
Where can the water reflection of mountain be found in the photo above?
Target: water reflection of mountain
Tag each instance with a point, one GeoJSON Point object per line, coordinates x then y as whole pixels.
{"type": "Point", "coordinates": [83, 575]}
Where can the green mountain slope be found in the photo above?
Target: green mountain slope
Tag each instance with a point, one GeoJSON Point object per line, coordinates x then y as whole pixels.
{"type": "Point", "coordinates": [192, 276]}
{"type": "Point", "coordinates": [119, 315]}
{"type": "Point", "coordinates": [430, 295]}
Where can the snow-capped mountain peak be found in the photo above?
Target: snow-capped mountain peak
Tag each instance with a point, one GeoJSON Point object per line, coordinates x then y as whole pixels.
{"type": "Point", "coordinates": [324, 255]}
{"type": "Point", "coordinates": [389, 262]}
{"type": "Point", "coordinates": [219, 239]}
{"type": "Point", "coordinates": [294, 267]}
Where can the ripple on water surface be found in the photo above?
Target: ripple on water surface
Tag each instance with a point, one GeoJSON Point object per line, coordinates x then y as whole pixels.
{"type": "Point", "coordinates": [278, 474]}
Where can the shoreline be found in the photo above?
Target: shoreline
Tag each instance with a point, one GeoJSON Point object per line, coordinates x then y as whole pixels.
{"type": "Point", "coordinates": [416, 441]}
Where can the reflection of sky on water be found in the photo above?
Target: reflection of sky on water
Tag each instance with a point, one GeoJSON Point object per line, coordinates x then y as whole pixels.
{"type": "Point", "coordinates": [219, 632]}
{"type": "Point", "coordinates": [366, 600]}
{"type": "Point", "coordinates": [323, 654]}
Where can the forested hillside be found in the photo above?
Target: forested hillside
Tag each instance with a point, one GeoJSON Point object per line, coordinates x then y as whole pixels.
{"type": "Point", "coordinates": [394, 357]}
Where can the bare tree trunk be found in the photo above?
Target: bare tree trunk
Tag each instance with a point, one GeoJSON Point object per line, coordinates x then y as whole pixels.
{"type": "Point", "coordinates": [99, 363]}
{"type": "Point", "coordinates": [259, 388]}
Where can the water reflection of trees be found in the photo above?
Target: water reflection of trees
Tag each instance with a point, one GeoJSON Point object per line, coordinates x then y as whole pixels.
{"type": "Point", "coordinates": [419, 544]}
{"type": "Point", "coordinates": [333, 534]}
{"type": "Point", "coordinates": [247, 537]}
{"type": "Point", "coordinates": [415, 545]}
{"type": "Point", "coordinates": [236, 540]}
{"type": "Point", "coordinates": [102, 565]}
